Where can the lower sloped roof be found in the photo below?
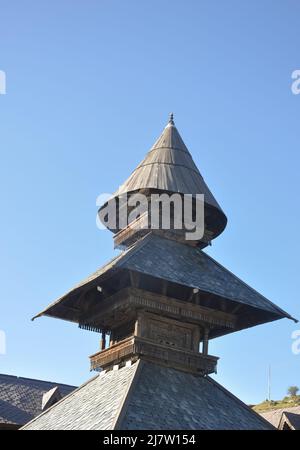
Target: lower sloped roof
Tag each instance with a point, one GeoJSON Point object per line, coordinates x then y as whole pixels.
{"type": "Point", "coordinates": [274, 416]}
{"type": "Point", "coordinates": [148, 396]}
{"type": "Point", "coordinates": [93, 406]}
{"type": "Point", "coordinates": [169, 399]}
{"type": "Point", "coordinates": [21, 399]}
{"type": "Point", "coordinates": [292, 419]}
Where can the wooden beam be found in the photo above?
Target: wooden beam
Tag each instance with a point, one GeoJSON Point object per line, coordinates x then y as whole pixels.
{"type": "Point", "coordinates": [126, 301]}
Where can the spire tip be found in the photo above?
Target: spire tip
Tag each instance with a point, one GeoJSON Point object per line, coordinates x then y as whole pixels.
{"type": "Point", "coordinates": [171, 119]}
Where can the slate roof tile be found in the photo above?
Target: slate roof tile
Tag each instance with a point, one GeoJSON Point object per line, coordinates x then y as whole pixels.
{"type": "Point", "coordinates": [152, 397]}
{"type": "Point", "coordinates": [21, 398]}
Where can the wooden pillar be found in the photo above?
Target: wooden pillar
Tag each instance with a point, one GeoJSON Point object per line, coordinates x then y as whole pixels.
{"type": "Point", "coordinates": [137, 325]}
{"type": "Point", "coordinates": [205, 341]}
{"type": "Point", "coordinates": [102, 341]}
{"type": "Point", "coordinates": [112, 339]}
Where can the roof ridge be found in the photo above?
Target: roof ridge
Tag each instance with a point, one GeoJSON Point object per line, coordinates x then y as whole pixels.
{"type": "Point", "coordinates": [134, 247]}
{"type": "Point", "coordinates": [79, 285]}
{"type": "Point", "coordinates": [127, 396]}
{"type": "Point", "coordinates": [249, 287]}
{"type": "Point", "coordinates": [36, 379]}
{"type": "Point", "coordinates": [234, 397]}
{"type": "Point", "coordinates": [155, 236]}
{"type": "Point", "coordinates": [124, 255]}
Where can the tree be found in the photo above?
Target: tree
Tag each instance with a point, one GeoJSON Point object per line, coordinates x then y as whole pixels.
{"type": "Point", "coordinates": [293, 390]}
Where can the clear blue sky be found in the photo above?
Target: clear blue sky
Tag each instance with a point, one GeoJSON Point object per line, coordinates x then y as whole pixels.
{"type": "Point", "coordinates": [89, 88]}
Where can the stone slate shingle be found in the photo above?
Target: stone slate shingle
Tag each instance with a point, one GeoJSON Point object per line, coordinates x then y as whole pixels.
{"type": "Point", "coordinates": [93, 406]}
{"type": "Point", "coordinates": [21, 398]}
{"type": "Point", "coordinates": [168, 399]}
{"type": "Point", "coordinates": [147, 396]}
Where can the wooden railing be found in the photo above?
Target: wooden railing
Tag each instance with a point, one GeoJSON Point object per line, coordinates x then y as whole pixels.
{"type": "Point", "coordinates": [140, 347]}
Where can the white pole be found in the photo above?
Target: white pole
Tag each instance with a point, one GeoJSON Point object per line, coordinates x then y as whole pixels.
{"type": "Point", "coordinates": [269, 383]}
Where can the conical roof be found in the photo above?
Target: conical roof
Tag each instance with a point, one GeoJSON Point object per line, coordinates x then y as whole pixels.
{"type": "Point", "coordinates": [168, 166]}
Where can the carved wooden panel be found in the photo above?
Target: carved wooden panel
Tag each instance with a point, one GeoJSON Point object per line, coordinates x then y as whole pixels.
{"type": "Point", "coordinates": [172, 335]}
{"type": "Point", "coordinates": [169, 332]}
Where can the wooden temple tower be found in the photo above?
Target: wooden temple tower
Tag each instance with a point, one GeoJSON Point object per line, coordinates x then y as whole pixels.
{"type": "Point", "coordinates": [156, 306]}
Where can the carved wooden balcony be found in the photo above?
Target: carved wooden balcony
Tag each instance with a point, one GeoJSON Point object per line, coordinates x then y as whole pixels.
{"type": "Point", "coordinates": [136, 347]}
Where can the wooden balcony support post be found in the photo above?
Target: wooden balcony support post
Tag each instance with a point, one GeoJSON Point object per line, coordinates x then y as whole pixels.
{"type": "Point", "coordinates": [205, 341]}
{"type": "Point", "coordinates": [102, 341]}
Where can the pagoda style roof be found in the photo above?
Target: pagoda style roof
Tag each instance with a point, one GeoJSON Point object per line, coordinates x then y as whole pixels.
{"type": "Point", "coordinates": [147, 396]}
{"type": "Point", "coordinates": [21, 399]}
{"type": "Point", "coordinates": [185, 268]}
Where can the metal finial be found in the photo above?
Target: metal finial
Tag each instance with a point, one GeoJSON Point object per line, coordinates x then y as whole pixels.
{"type": "Point", "coordinates": [171, 119]}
